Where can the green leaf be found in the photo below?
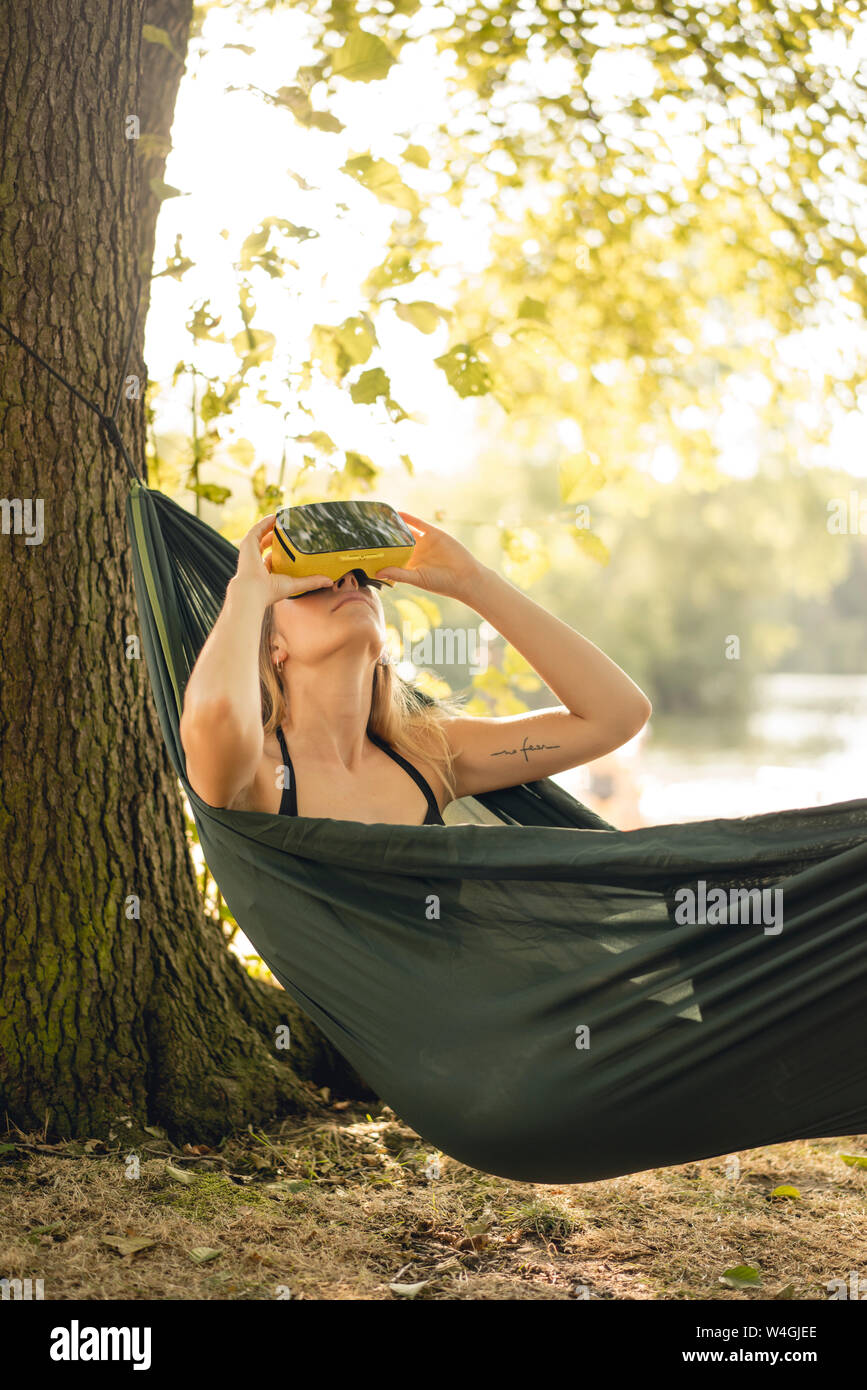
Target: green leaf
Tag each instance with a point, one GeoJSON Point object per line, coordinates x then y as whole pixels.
{"type": "Point", "coordinates": [253, 245]}
{"type": "Point", "coordinates": [526, 557]}
{"type": "Point", "coordinates": [359, 468]}
{"type": "Point", "coordinates": [323, 120]}
{"type": "Point", "coordinates": [296, 100]}
{"type": "Point", "coordinates": [465, 370]}
{"type": "Point", "coordinates": [175, 268]}
{"type": "Point", "coordinates": [370, 386]}
{"type": "Point", "coordinates": [417, 154]}
{"type": "Point", "coordinates": [741, 1277]}
{"type": "Point", "coordinates": [201, 325]}
{"type": "Point", "coordinates": [339, 348]}
{"type": "Point", "coordinates": [357, 338]}
{"type": "Point", "coordinates": [783, 1192]}
{"type": "Point", "coordinates": [532, 309]}
{"type": "Point", "coordinates": [151, 34]}
{"type": "Point", "coordinates": [163, 190]}
{"type": "Point", "coordinates": [211, 405]}
{"type": "Point", "coordinates": [580, 477]}
{"type": "Point", "coordinates": [421, 313]}
{"type": "Point", "coordinates": [408, 464]}
{"type": "Point", "coordinates": [292, 229]}
{"type": "Point", "coordinates": [319, 439]}
{"type": "Point", "coordinates": [363, 58]}
{"type": "Point", "coordinates": [383, 179]}
{"type": "Point", "coordinates": [398, 268]}
{"type": "Point", "coordinates": [855, 1160]}
{"type": "Point", "coordinates": [413, 617]}
{"type": "Point", "coordinates": [592, 546]}
{"type": "Point", "coordinates": [429, 608]}
{"type": "Point", "coordinates": [255, 345]}
{"type": "Point", "coordinates": [211, 492]}
{"type": "Point", "coordinates": [325, 349]}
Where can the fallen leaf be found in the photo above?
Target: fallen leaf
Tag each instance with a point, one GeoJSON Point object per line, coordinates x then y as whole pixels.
{"type": "Point", "coordinates": [178, 1175]}
{"type": "Point", "coordinates": [741, 1277]}
{"type": "Point", "coordinates": [202, 1253]}
{"type": "Point", "coordinates": [128, 1245]}
{"type": "Point", "coordinates": [408, 1290]}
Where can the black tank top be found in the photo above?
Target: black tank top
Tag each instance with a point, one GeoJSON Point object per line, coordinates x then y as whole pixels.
{"type": "Point", "coordinates": [289, 800]}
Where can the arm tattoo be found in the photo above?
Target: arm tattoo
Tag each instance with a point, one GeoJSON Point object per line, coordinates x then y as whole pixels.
{"type": "Point", "coordinates": [525, 748]}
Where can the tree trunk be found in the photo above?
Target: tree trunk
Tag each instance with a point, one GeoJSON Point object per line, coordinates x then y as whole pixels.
{"type": "Point", "coordinates": [102, 1013]}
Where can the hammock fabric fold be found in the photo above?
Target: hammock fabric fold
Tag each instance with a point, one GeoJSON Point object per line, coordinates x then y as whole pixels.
{"type": "Point", "coordinates": [521, 992]}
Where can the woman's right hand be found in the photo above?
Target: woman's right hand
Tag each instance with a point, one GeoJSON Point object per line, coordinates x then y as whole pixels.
{"type": "Point", "coordinates": [254, 566]}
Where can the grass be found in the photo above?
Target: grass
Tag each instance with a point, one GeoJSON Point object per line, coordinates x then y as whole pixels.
{"type": "Point", "coordinates": [342, 1207]}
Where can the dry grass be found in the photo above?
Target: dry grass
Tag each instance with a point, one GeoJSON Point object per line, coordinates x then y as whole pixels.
{"type": "Point", "coordinates": [341, 1208]}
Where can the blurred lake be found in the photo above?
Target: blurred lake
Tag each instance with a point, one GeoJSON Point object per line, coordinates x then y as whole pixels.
{"type": "Point", "coordinates": [804, 745]}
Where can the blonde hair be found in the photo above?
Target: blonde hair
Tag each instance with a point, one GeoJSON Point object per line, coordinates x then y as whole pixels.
{"type": "Point", "coordinates": [400, 714]}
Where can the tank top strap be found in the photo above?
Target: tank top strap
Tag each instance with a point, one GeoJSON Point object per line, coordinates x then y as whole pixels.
{"type": "Point", "coordinates": [434, 816]}
{"type": "Point", "coordinates": [289, 799]}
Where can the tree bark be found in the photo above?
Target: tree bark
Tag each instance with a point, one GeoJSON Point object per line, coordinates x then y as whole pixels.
{"type": "Point", "coordinates": [102, 1013]}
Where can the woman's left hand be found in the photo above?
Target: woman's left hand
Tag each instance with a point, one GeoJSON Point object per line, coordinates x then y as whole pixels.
{"type": "Point", "coordinates": [439, 563]}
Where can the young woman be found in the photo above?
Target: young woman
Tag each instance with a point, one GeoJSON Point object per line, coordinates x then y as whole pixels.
{"type": "Point", "coordinates": [293, 707]}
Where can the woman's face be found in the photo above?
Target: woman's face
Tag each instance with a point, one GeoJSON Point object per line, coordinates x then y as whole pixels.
{"type": "Point", "coordinates": [348, 615]}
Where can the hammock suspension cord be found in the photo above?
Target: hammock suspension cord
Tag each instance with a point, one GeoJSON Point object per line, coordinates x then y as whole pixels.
{"type": "Point", "coordinates": [108, 423]}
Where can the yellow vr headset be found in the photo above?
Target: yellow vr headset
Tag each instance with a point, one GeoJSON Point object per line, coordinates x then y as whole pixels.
{"type": "Point", "coordinates": [333, 538]}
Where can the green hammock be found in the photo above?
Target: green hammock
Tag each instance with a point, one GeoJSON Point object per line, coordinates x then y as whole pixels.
{"type": "Point", "coordinates": [553, 928]}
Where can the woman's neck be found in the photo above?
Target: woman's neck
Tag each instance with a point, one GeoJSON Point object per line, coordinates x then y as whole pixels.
{"type": "Point", "coordinates": [329, 708]}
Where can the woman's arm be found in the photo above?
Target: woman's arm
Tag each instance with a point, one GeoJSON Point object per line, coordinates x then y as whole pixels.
{"type": "Point", "coordinates": [601, 707]}
{"type": "Point", "coordinates": [221, 723]}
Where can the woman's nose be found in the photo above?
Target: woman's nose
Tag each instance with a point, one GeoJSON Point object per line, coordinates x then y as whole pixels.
{"type": "Point", "coordinates": [350, 581]}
